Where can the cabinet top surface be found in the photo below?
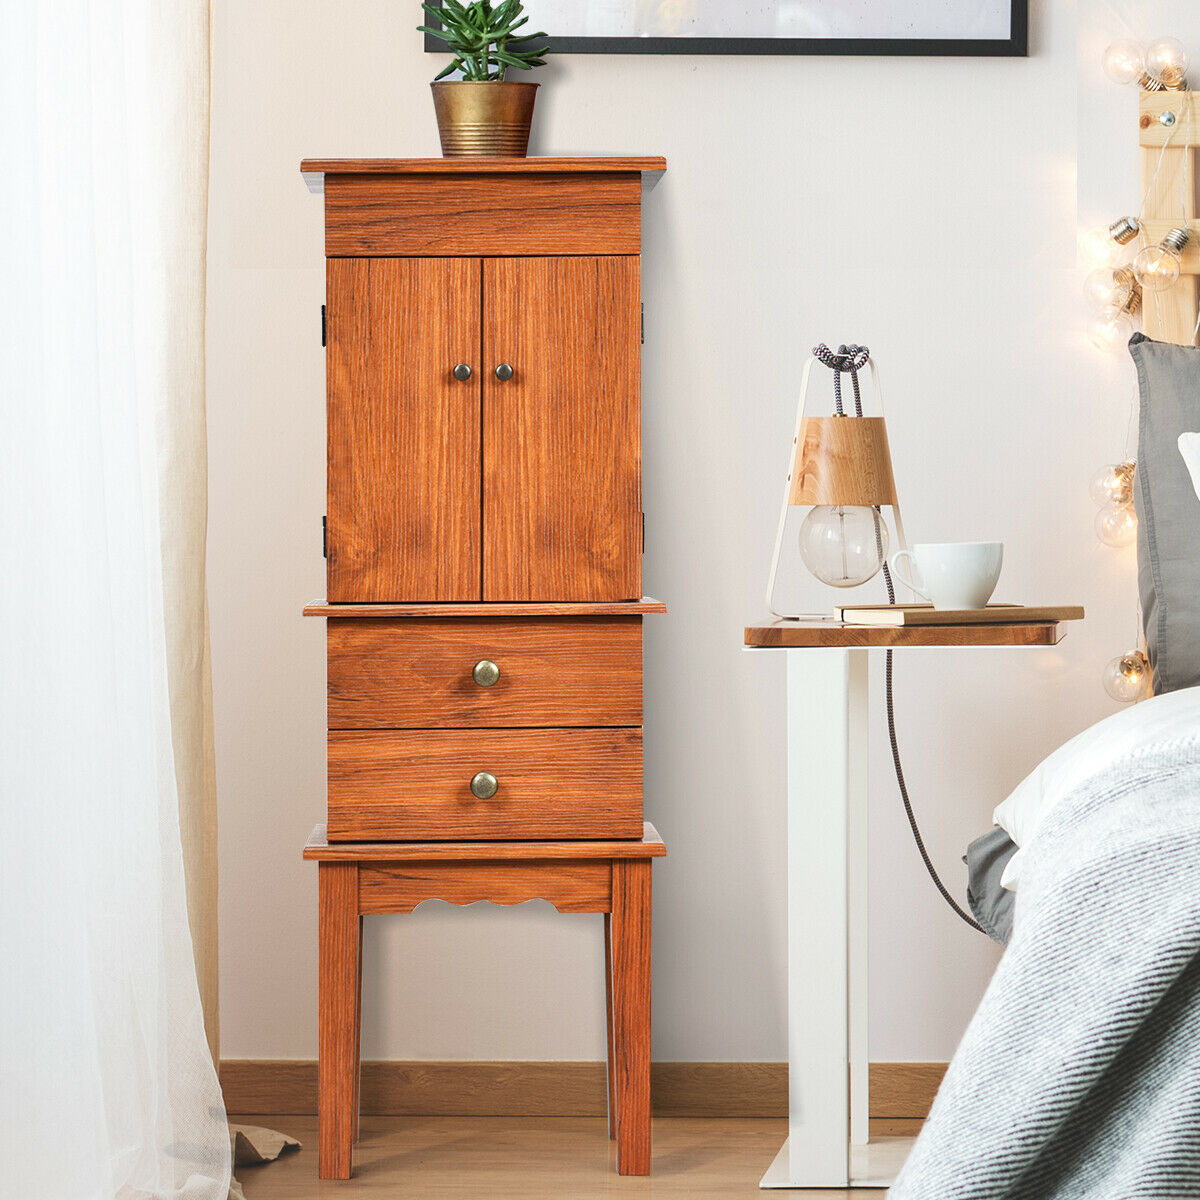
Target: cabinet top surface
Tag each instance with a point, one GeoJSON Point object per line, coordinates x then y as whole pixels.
{"type": "Point", "coordinates": [314, 170]}
{"type": "Point", "coordinates": [785, 635]}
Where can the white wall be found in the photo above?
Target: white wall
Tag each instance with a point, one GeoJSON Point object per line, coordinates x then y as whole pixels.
{"type": "Point", "coordinates": [924, 207]}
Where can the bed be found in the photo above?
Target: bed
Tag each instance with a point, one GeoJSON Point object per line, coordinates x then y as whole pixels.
{"type": "Point", "coordinates": [1079, 1075]}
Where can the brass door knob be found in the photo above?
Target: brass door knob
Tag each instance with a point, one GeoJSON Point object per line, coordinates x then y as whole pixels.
{"type": "Point", "coordinates": [484, 785]}
{"type": "Point", "coordinates": [462, 372]}
{"type": "Point", "coordinates": [504, 372]}
{"type": "Point", "coordinates": [485, 673]}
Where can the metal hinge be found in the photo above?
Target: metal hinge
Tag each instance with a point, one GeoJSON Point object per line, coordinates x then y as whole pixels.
{"type": "Point", "coordinates": [323, 325]}
{"type": "Point", "coordinates": [324, 538]}
{"type": "Point", "coordinates": [643, 322]}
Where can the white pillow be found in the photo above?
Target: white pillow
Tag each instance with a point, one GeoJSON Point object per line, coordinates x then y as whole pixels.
{"type": "Point", "coordinates": [1189, 447]}
{"type": "Point", "coordinates": [1161, 723]}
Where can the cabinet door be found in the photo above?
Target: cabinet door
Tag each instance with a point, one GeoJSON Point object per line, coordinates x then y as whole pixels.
{"type": "Point", "coordinates": [403, 517]}
{"type": "Point", "coordinates": [562, 435]}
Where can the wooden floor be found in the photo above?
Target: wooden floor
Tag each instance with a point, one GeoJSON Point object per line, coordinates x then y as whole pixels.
{"type": "Point", "coordinates": [533, 1158]}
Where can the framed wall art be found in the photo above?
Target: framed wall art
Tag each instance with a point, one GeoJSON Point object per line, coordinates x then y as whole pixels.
{"type": "Point", "coordinates": [912, 27]}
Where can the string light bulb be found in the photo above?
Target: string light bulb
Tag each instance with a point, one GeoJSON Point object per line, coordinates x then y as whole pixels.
{"type": "Point", "coordinates": [1101, 247]}
{"type": "Point", "coordinates": [1158, 267]}
{"type": "Point", "coordinates": [843, 545]}
{"type": "Point", "coordinates": [1127, 677]}
{"type": "Point", "coordinates": [1124, 62]}
{"type": "Point", "coordinates": [1116, 525]}
{"type": "Point", "coordinates": [1113, 287]}
{"type": "Point", "coordinates": [1111, 329]}
{"type": "Point", "coordinates": [1166, 62]}
{"type": "Point", "coordinates": [1113, 484]}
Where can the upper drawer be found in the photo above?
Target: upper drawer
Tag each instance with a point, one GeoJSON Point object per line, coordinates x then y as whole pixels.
{"type": "Point", "coordinates": [485, 214]}
{"type": "Point", "coordinates": [412, 673]}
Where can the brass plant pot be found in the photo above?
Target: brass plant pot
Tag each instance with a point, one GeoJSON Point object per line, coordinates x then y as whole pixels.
{"type": "Point", "coordinates": [484, 120]}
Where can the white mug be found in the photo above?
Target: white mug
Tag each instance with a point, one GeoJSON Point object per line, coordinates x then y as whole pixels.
{"type": "Point", "coordinates": [952, 574]}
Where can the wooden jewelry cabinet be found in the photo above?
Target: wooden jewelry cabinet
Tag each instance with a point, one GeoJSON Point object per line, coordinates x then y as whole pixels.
{"type": "Point", "coordinates": [484, 537]}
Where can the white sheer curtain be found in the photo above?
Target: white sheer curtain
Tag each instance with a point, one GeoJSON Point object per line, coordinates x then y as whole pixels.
{"type": "Point", "coordinates": [108, 1089]}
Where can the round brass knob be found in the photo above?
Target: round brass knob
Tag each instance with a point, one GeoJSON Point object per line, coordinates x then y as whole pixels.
{"type": "Point", "coordinates": [484, 785]}
{"type": "Point", "coordinates": [462, 372]}
{"type": "Point", "coordinates": [485, 673]}
{"type": "Point", "coordinates": [504, 372]}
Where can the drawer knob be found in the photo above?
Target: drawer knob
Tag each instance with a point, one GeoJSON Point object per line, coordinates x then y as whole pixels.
{"type": "Point", "coordinates": [484, 785]}
{"type": "Point", "coordinates": [504, 372]}
{"type": "Point", "coordinates": [462, 372]}
{"type": "Point", "coordinates": [485, 673]}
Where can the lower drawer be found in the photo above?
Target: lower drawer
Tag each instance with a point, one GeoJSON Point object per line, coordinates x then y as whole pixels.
{"type": "Point", "coordinates": [416, 785]}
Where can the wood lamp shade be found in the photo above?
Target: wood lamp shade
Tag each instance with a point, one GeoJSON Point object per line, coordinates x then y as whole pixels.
{"type": "Point", "coordinates": [842, 460]}
{"type": "Point", "coordinates": [837, 461]}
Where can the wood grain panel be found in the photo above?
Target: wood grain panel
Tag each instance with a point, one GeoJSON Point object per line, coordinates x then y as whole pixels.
{"type": "Point", "coordinates": [578, 886]}
{"type": "Point", "coordinates": [1153, 134]}
{"type": "Point", "coordinates": [554, 783]}
{"type": "Point", "coordinates": [630, 932]}
{"type": "Point", "coordinates": [785, 634]}
{"type": "Point", "coordinates": [842, 460]}
{"type": "Point", "coordinates": [338, 959]}
{"type": "Point", "coordinates": [320, 849]}
{"type": "Point", "coordinates": [403, 433]}
{"type": "Point", "coordinates": [619, 608]}
{"type": "Point", "coordinates": [562, 437]}
{"type": "Point", "coordinates": [483, 213]}
{"type": "Point", "coordinates": [416, 674]}
{"type": "Point", "coordinates": [899, 1090]}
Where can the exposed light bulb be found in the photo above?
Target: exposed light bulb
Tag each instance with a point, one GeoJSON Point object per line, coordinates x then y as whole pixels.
{"type": "Point", "coordinates": [1116, 525]}
{"type": "Point", "coordinates": [1108, 287]}
{"type": "Point", "coordinates": [1101, 247]}
{"type": "Point", "coordinates": [1124, 61]}
{"type": "Point", "coordinates": [1111, 329]}
{"type": "Point", "coordinates": [1113, 484]}
{"type": "Point", "coordinates": [1166, 61]}
{"type": "Point", "coordinates": [1127, 677]}
{"type": "Point", "coordinates": [1158, 267]}
{"type": "Point", "coordinates": [843, 545]}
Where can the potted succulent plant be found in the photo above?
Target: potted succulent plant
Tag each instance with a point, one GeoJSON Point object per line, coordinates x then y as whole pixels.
{"type": "Point", "coordinates": [483, 114]}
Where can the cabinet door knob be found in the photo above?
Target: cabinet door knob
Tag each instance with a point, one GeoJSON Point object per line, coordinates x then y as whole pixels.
{"type": "Point", "coordinates": [504, 372]}
{"type": "Point", "coordinates": [462, 372]}
{"type": "Point", "coordinates": [485, 673]}
{"type": "Point", "coordinates": [484, 785]}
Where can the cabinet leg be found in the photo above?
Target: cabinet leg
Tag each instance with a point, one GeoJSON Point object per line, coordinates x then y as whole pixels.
{"type": "Point", "coordinates": [338, 938]}
{"type": "Point", "coordinates": [611, 1072]}
{"type": "Point", "coordinates": [630, 938]}
{"type": "Point", "coordinates": [358, 1037]}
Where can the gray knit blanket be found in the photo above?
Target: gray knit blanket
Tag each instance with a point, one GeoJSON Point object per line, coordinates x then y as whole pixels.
{"type": "Point", "coordinates": [1079, 1075]}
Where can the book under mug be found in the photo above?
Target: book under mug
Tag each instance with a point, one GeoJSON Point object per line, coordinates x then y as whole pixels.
{"type": "Point", "coordinates": [926, 614]}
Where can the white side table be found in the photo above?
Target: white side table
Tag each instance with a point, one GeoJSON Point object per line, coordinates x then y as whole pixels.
{"type": "Point", "coordinates": [828, 1141]}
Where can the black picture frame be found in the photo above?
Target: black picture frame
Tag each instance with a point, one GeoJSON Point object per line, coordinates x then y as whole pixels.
{"type": "Point", "coordinates": [1016, 45]}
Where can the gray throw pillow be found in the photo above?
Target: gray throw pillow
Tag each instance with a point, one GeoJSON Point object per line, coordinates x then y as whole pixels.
{"type": "Point", "coordinates": [991, 904]}
{"type": "Point", "coordinates": [1168, 511]}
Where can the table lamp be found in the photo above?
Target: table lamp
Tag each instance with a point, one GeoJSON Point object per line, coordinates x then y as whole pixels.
{"type": "Point", "coordinates": [840, 469]}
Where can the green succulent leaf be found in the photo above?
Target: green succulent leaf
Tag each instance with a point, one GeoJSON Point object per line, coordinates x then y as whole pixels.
{"type": "Point", "coordinates": [483, 37]}
{"type": "Point", "coordinates": [512, 60]}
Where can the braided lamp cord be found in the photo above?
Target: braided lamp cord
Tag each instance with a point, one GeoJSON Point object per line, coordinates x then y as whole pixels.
{"type": "Point", "coordinates": [852, 359]}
